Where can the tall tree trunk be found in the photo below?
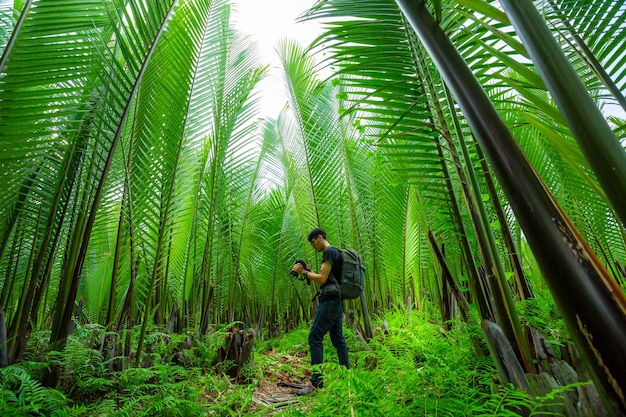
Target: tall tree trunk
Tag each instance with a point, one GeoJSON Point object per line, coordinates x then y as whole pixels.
{"type": "Point", "coordinates": [83, 234]}
{"type": "Point", "coordinates": [523, 286]}
{"type": "Point", "coordinates": [19, 204]}
{"type": "Point", "coordinates": [507, 315]}
{"type": "Point", "coordinates": [602, 149]}
{"type": "Point", "coordinates": [592, 304]}
{"type": "Point", "coordinates": [4, 358]}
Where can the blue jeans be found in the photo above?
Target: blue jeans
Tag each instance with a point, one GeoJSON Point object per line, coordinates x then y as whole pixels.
{"type": "Point", "coordinates": [328, 319]}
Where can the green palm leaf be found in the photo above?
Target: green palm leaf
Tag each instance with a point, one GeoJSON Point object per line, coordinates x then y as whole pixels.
{"type": "Point", "coordinates": [222, 104]}
{"type": "Point", "coordinates": [76, 82]}
{"type": "Point", "coordinates": [542, 220]}
{"type": "Point", "coordinates": [605, 154]}
{"type": "Point", "coordinates": [595, 32]}
{"type": "Point", "coordinates": [315, 133]}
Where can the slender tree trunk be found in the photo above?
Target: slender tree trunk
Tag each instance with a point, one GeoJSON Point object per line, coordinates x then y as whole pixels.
{"type": "Point", "coordinates": [4, 357]}
{"type": "Point", "coordinates": [451, 284]}
{"type": "Point", "coordinates": [12, 266]}
{"type": "Point", "coordinates": [59, 332]}
{"type": "Point", "coordinates": [477, 291]}
{"type": "Point", "coordinates": [17, 329]}
{"type": "Point", "coordinates": [507, 314]}
{"type": "Point", "coordinates": [466, 311]}
{"type": "Point", "coordinates": [485, 307]}
{"type": "Point", "coordinates": [444, 297]}
{"type": "Point", "coordinates": [14, 34]}
{"type": "Point", "coordinates": [21, 198]}
{"type": "Point", "coordinates": [112, 309]}
{"type": "Point", "coordinates": [523, 286]}
{"type": "Point", "coordinates": [599, 328]}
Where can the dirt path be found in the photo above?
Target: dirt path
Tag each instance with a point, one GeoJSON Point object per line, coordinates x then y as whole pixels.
{"type": "Point", "coordinates": [276, 390]}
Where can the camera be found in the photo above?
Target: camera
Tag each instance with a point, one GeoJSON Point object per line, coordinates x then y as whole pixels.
{"type": "Point", "coordinates": [301, 262]}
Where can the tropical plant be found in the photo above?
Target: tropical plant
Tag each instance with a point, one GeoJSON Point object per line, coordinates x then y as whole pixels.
{"type": "Point", "coordinates": [143, 203]}
{"type": "Point", "coordinates": [356, 48]}
{"type": "Point", "coordinates": [141, 192]}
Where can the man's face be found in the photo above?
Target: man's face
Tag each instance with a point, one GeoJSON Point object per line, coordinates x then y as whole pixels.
{"type": "Point", "coordinates": [316, 242]}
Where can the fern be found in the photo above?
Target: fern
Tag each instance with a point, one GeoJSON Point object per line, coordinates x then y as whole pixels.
{"type": "Point", "coordinates": [18, 390]}
{"type": "Point", "coordinates": [135, 381]}
{"type": "Point", "coordinates": [93, 386]}
{"type": "Point", "coordinates": [505, 402]}
{"type": "Point", "coordinates": [74, 411]}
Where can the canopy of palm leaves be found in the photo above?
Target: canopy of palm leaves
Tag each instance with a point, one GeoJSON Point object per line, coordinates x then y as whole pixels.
{"type": "Point", "coordinates": [139, 182]}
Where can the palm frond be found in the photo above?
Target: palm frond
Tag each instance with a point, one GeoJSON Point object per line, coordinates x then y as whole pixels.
{"type": "Point", "coordinates": [594, 31]}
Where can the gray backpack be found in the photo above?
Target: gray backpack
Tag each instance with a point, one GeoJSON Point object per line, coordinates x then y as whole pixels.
{"type": "Point", "coordinates": [352, 275]}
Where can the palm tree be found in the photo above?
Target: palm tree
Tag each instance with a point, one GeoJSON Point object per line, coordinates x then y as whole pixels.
{"type": "Point", "coordinates": [116, 92]}
{"type": "Point", "coordinates": [86, 85]}
{"type": "Point", "coordinates": [355, 50]}
{"type": "Point", "coordinates": [134, 178]}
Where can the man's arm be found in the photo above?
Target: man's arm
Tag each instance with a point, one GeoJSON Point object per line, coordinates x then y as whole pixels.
{"type": "Point", "coordinates": [322, 277]}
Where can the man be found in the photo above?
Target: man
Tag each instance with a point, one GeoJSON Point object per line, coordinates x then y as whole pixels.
{"type": "Point", "coordinates": [329, 314]}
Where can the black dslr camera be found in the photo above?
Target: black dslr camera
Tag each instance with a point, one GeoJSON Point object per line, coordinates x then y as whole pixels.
{"type": "Point", "coordinates": [301, 262]}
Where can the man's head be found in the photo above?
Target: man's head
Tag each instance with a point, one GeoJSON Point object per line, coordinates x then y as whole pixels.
{"type": "Point", "coordinates": [317, 239]}
{"type": "Point", "coordinates": [315, 233]}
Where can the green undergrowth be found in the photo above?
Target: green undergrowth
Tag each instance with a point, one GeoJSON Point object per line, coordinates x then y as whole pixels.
{"type": "Point", "coordinates": [416, 369]}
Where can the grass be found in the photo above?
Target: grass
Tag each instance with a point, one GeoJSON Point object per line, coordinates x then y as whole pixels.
{"type": "Point", "coordinates": [415, 370]}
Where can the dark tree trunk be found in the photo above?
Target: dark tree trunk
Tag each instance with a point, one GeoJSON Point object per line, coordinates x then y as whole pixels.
{"type": "Point", "coordinates": [4, 358]}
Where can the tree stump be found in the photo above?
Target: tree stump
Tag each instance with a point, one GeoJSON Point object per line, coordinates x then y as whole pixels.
{"type": "Point", "coordinates": [507, 364]}
{"type": "Point", "coordinates": [544, 383]}
{"type": "Point", "coordinates": [237, 353]}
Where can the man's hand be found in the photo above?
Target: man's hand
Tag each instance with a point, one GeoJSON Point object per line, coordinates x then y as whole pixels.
{"type": "Point", "coordinates": [298, 268]}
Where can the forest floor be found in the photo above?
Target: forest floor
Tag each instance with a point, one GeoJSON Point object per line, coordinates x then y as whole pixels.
{"type": "Point", "coordinates": [415, 369]}
{"type": "Point", "coordinates": [275, 391]}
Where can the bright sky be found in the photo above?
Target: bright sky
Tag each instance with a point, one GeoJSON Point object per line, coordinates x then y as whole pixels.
{"type": "Point", "coordinates": [267, 21]}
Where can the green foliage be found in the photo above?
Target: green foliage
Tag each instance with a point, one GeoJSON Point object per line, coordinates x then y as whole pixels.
{"type": "Point", "coordinates": [26, 396]}
{"type": "Point", "coordinates": [75, 411]}
{"type": "Point", "coordinates": [293, 342]}
{"type": "Point", "coordinates": [81, 368]}
{"type": "Point", "coordinates": [542, 312]}
{"type": "Point", "coordinates": [151, 125]}
{"type": "Point", "coordinates": [416, 369]}
{"type": "Point", "coordinates": [87, 377]}
{"type": "Point", "coordinates": [507, 401]}
{"type": "Point", "coordinates": [164, 390]}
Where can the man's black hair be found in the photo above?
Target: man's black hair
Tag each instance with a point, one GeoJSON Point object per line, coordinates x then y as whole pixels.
{"type": "Point", "coordinates": [315, 233]}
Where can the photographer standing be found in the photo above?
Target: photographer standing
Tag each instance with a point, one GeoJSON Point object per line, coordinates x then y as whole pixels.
{"type": "Point", "coordinates": [329, 314]}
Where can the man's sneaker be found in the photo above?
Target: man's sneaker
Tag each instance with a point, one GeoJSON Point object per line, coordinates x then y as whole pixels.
{"type": "Point", "coordinates": [309, 389]}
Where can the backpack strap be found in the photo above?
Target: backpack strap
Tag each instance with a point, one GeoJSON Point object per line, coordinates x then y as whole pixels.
{"type": "Point", "coordinates": [334, 279]}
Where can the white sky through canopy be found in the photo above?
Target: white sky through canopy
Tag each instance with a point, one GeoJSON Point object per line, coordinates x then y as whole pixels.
{"type": "Point", "coordinates": [267, 21]}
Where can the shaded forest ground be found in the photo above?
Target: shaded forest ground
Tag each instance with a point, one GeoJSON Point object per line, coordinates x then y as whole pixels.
{"type": "Point", "coordinates": [416, 369]}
